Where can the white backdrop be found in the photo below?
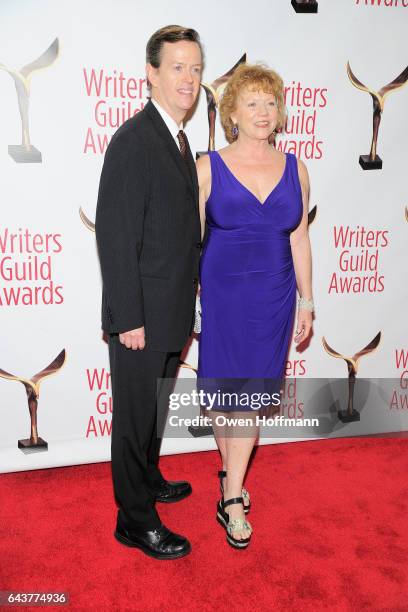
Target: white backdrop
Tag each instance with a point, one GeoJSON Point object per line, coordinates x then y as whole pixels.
{"type": "Point", "coordinates": [107, 38]}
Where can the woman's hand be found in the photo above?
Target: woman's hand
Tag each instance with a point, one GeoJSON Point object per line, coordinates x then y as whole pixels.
{"type": "Point", "coordinates": [304, 325]}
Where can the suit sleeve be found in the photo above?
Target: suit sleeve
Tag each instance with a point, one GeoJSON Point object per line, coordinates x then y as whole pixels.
{"type": "Point", "coordinates": [122, 200]}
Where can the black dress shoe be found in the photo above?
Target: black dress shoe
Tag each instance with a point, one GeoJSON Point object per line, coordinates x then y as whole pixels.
{"type": "Point", "coordinates": [172, 491]}
{"type": "Point", "coordinates": [160, 543]}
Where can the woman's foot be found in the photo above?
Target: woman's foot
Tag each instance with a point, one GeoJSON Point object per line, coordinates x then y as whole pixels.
{"type": "Point", "coordinates": [238, 529]}
{"type": "Point", "coordinates": [238, 526]}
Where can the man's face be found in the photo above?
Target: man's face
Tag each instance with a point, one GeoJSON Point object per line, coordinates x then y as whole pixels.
{"type": "Point", "coordinates": [175, 84]}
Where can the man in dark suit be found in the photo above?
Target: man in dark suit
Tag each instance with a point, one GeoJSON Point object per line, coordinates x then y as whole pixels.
{"type": "Point", "coordinates": [148, 237]}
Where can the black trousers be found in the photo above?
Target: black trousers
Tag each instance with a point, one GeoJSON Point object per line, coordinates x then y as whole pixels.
{"type": "Point", "coordinates": [139, 413]}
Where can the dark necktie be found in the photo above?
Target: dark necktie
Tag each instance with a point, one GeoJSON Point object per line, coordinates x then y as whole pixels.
{"type": "Point", "coordinates": [184, 146]}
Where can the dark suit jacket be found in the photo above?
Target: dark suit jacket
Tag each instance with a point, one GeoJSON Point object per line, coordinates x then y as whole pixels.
{"type": "Point", "coordinates": [148, 233]}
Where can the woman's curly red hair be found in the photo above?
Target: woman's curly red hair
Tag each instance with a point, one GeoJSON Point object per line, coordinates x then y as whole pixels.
{"type": "Point", "coordinates": [255, 77]}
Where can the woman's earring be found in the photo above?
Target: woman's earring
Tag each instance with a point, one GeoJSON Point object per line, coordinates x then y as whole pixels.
{"type": "Point", "coordinates": [235, 131]}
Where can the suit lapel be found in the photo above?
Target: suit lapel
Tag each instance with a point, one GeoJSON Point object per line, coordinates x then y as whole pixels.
{"type": "Point", "coordinates": [189, 174]}
{"type": "Point", "coordinates": [193, 173]}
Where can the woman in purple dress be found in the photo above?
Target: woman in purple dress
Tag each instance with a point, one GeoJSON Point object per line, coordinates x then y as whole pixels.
{"type": "Point", "coordinates": [255, 201]}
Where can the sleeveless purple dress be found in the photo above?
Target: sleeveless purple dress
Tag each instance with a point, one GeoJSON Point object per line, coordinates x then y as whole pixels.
{"type": "Point", "coordinates": [248, 285]}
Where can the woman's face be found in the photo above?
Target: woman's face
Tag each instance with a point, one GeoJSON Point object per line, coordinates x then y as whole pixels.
{"type": "Point", "coordinates": [256, 114]}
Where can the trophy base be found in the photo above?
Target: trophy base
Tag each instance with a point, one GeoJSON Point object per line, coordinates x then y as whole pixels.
{"type": "Point", "coordinates": [29, 447]}
{"type": "Point", "coordinates": [21, 155]}
{"type": "Point", "coordinates": [346, 417]}
{"type": "Point", "coordinates": [301, 7]}
{"type": "Point", "coordinates": [198, 431]}
{"type": "Point", "coordinates": [370, 164]}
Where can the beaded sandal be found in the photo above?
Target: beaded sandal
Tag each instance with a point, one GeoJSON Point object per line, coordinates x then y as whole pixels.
{"type": "Point", "coordinates": [231, 525]}
{"type": "Point", "coordinates": [245, 495]}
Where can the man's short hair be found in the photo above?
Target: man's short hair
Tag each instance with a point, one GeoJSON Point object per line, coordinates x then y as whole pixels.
{"type": "Point", "coordinates": [170, 34]}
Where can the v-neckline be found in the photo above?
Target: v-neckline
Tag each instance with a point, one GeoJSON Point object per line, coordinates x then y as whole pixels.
{"type": "Point", "coordinates": [247, 189]}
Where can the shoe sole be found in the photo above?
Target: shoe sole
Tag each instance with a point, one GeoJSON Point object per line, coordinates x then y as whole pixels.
{"type": "Point", "coordinates": [173, 501]}
{"type": "Point", "coordinates": [231, 541]}
{"type": "Point", "coordinates": [148, 552]}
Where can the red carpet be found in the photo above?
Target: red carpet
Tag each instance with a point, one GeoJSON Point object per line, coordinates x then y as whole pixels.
{"type": "Point", "coordinates": [330, 533]}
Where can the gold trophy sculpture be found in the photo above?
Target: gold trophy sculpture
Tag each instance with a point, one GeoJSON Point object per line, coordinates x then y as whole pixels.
{"type": "Point", "coordinates": [87, 222]}
{"type": "Point", "coordinates": [213, 92]}
{"type": "Point", "coordinates": [373, 161]}
{"type": "Point", "coordinates": [305, 6]}
{"type": "Point", "coordinates": [184, 364]}
{"type": "Point", "coordinates": [351, 414]}
{"type": "Point", "coordinates": [26, 152]}
{"type": "Point", "coordinates": [32, 387]}
{"type": "Point", "coordinates": [311, 215]}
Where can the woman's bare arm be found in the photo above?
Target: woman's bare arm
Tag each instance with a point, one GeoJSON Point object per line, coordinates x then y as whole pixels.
{"type": "Point", "coordinates": [204, 182]}
{"type": "Point", "coordinates": [300, 243]}
{"type": "Point", "coordinates": [302, 259]}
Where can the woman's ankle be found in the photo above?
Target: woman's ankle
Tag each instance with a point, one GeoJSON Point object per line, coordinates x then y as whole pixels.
{"type": "Point", "coordinates": [231, 493]}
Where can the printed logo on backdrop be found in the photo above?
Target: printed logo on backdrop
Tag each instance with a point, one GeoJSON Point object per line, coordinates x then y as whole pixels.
{"type": "Point", "coordinates": [129, 95]}
{"type": "Point", "coordinates": [350, 414]}
{"type": "Point", "coordinates": [32, 387]}
{"type": "Point", "coordinates": [119, 97]}
{"type": "Point", "coordinates": [115, 98]}
{"type": "Point", "coordinates": [381, 3]}
{"type": "Point", "coordinates": [99, 423]}
{"type": "Point", "coordinates": [26, 152]}
{"type": "Point", "coordinates": [27, 268]}
{"type": "Point", "coordinates": [359, 262]}
{"type": "Point", "coordinates": [305, 6]}
{"type": "Point", "coordinates": [372, 161]}
{"type": "Point", "coordinates": [300, 134]}
{"type": "Point", "coordinates": [399, 396]}
{"type": "Point", "coordinates": [292, 406]}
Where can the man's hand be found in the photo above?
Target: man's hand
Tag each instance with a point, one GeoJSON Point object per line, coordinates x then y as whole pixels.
{"type": "Point", "coordinates": [133, 339]}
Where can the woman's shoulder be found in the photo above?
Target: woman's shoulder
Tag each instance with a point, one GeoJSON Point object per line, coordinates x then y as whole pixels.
{"type": "Point", "coordinates": [280, 154]}
{"type": "Point", "coordinates": [203, 165]}
{"type": "Point", "coordinates": [224, 150]}
{"type": "Point", "coordinates": [203, 162]}
{"type": "Point", "coordinates": [302, 170]}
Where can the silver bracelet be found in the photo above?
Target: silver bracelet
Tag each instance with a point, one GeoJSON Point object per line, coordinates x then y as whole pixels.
{"type": "Point", "coordinates": [304, 304]}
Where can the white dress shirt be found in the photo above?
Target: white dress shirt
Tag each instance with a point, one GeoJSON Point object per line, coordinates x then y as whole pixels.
{"type": "Point", "coordinates": [169, 121]}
